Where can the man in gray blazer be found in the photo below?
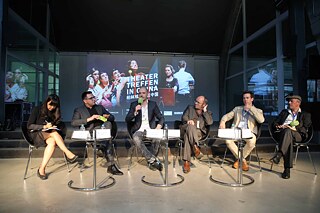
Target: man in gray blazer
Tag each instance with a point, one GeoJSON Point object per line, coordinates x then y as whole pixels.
{"type": "Point", "coordinates": [195, 120]}
{"type": "Point", "coordinates": [247, 117]}
{"type": "Point", "coordinates": [89, 115]}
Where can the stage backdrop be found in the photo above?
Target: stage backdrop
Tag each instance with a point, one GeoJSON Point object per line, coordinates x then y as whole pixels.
{"type": "Point", "coordinates": [115, 79]}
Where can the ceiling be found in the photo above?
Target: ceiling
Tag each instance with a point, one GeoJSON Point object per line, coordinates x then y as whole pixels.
{"type": "Point", "coordinates": [181, 26]}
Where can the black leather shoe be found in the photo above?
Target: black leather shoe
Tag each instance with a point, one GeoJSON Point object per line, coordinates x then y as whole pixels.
{"type": "Point", "coordinates": [42, 177]}
{"type": "Point", "coordinates": [286, 173]}
{"type": "Point", "coordinates": [276, 158]}
{"type": "Point", "coordinates": [72, 160]}
{"type": "Point", "coordinates": [157, 165]}
{"type": "Point", "coordinates": [114, 170]}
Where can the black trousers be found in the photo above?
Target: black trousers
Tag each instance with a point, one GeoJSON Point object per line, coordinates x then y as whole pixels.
{"type": "Point", "coordinates": [286, 138]}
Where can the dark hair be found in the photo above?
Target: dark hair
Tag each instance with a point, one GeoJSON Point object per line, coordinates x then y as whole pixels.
{"type": "Point", "coordinates": [84, 94]}
{"type": "Point", "coordinates": [182, 64]}
{"type": "Point", "coordinates": [55, 114]}
{"type": "Point", "coordinates": [248, 92]}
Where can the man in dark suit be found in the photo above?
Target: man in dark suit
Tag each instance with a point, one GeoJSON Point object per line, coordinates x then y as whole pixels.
{"type": "Point", "coordinates": [142, 115]}
{"type": "Point", "coordinates": [195, 120]}
{"type": "Point", "coordinates": [89, 115]}
{"type": "Point", "coordinates": [291, 125]}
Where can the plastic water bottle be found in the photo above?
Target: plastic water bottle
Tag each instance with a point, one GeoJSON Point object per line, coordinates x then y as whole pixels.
{"type": "Point", "coordinates": [103, 126]}
{"type": "Point", "coordinates": [232, 126]}
{"type": "Point", "coordinates": [82, 128]}
{"type": "Point", "coordinates": [165, 131]}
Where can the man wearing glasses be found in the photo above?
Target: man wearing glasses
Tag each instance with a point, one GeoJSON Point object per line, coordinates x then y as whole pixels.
{"type": "Point", "coordinates": [89, 115]}
{"type": "Point", "coordinates": [142, 115]}
{"type": "Point", "coordinates": [195, 119]}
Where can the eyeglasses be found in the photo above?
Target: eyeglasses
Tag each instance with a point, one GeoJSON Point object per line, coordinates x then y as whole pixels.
{"type": "Point", "coordinates": [91, 98]}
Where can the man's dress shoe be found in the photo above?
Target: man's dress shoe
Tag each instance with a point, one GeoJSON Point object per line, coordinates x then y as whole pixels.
{"type": "Point", "coordinates": [198, 154]}
{"type": "Point", "coordinates": [156, 165]}
{"type": "Point", "coordinates": [186, 167]}
{"type": "Point", "coordinates": [276, 158]}
{"type": "Point", "coordinates": [114, 170]}
{"type": "Point", "coordinates": [286, 173]}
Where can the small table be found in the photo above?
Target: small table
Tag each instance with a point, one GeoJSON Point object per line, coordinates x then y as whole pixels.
{"type": "Point", "coordinates": [166, 182]}
{"type": "Point", "coordinates": [239, 182]}
{"type": "Point", "coordinates": [84, 135]}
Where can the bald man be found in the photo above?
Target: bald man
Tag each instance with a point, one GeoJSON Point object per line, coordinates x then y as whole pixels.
{"type": "Point", "coordinates": [195, 119]}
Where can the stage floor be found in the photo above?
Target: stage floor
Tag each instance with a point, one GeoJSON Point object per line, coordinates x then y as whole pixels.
{"type": "Point", "coordinates": [197, 193]}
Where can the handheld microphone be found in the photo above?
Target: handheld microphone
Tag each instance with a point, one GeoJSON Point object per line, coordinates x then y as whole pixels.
{"type": "Point", "coordinates": [140, 101]}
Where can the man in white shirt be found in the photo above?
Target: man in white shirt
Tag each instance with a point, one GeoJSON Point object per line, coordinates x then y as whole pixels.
{"type": "Point", "coordinates": [185, 79]}
{"type": "Point", "coordinates": [142, 115]}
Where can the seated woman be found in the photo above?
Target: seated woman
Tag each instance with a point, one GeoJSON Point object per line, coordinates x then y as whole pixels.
{"type": "Point", "coordinates": [44, 123]}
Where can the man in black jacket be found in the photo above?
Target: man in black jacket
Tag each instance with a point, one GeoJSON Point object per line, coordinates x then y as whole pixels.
{"type": "Point", "coordinates": [142, 115]}
{"type": "Point", "coordinates": [291, 125]}
{"type": "Point", "coordinates": [89, 115]}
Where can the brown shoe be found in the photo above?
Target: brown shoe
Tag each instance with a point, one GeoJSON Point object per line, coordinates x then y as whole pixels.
{"type": "Point", "coordinates": [197, 152]}
{"type": "Point", "coordinates": [245, 166]}
{"type": "Point", "coordinates": [236, 164]}
{"type": "Point", "coordinates": [186, 167]}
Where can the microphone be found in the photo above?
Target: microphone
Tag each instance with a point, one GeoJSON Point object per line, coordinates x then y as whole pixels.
{"type": "Point", "coordinates": [140, 100]}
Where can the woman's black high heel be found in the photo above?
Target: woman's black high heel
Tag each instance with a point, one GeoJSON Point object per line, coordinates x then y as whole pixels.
{"type": "Point", "coordinates": [42, 177]}
{"type": "Point", "coordinates": [71, 160]}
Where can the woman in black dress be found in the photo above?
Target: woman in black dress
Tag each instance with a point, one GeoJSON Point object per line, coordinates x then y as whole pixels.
{"type": "Point", "coordinates": [47, 129]}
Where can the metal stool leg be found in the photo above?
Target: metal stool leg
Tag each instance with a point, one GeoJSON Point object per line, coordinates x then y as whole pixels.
{"type": "Point", "coordinates": [29, 158]}
{"type": "Point", "coordinates": [258, 159]}
{"type": "Point", "coordinates": [85, 156]}
{"type": "Point", "coordinates": [65, 161]}
{"type": "Point", "coordinates": [295, 159]}
{"type": "Point", "coordinates": [224, 156]}
{"type": "Point", "coordinates": [275, 151]}
{"type": "Point", "coordinates": [131, 150]}
{"type": "Point", "coordinates": [314, 168]}
{"type": "Point", "coordinates": [115, 155]}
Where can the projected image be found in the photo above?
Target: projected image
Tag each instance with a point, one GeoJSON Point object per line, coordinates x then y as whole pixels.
{"type": "Point", "coordinates": [116, 80]}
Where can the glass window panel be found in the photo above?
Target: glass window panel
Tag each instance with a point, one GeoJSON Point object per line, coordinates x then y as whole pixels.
{"type": "Point", "coordinates": [263, 82]}
{"type": "Point", "coordinates": [235, 62]}
{"type": "Point", "coordinates": [51, 85]}
{"type": "Point", "coordinates": [238, 31]}
{"type": "Point", "coordinates": [262, 48]}
{"type": "Point", "coordinates": [234, 92]}
{"type": "Point", "coordinates": [255, 19]}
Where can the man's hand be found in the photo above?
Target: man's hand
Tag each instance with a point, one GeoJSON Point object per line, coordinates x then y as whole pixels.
{"type": "Point", "coordinates": [190, 122]}
{"type": "Point", "coordinates": [247, 107]}
{"type": "Point", "coordinates": [222, 126]}
{"type": "Point", "coordinates": [93, 117]}
{"type": "Point", "coordinates": [205, 108]}
{"type": "Point", "coordinates": [106, 115]}
{"type": "Point", "coordinates": [158, 126]}
{"type": "Point", "coordinates": [138, 107]}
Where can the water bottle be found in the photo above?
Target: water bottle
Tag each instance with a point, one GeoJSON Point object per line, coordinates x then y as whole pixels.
{"type": "Point", "coordinates": [166, 131]}
{"type": "Point", "coordinates": [103, 126]}
{"type": "Point", "coordinates": [232, 126]}
{"type": "Point", "coordinates": [82, 128]}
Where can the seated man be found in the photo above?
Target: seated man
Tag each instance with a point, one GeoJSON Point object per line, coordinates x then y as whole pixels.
{"type": "Point", "coordinates": [89, 115]}
{"type": "Point", "coordinates": [143, 116]}
{"type": "Point", "coordinates": [247, 117]}
{"type": "Point", "coordinates": [194, 121]}
{"type": "Point", "coordinates": [291, 125]}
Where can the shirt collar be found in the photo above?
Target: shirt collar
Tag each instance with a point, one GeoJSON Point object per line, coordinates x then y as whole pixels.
{"type": "Point", "coordinates": [289, 110]}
